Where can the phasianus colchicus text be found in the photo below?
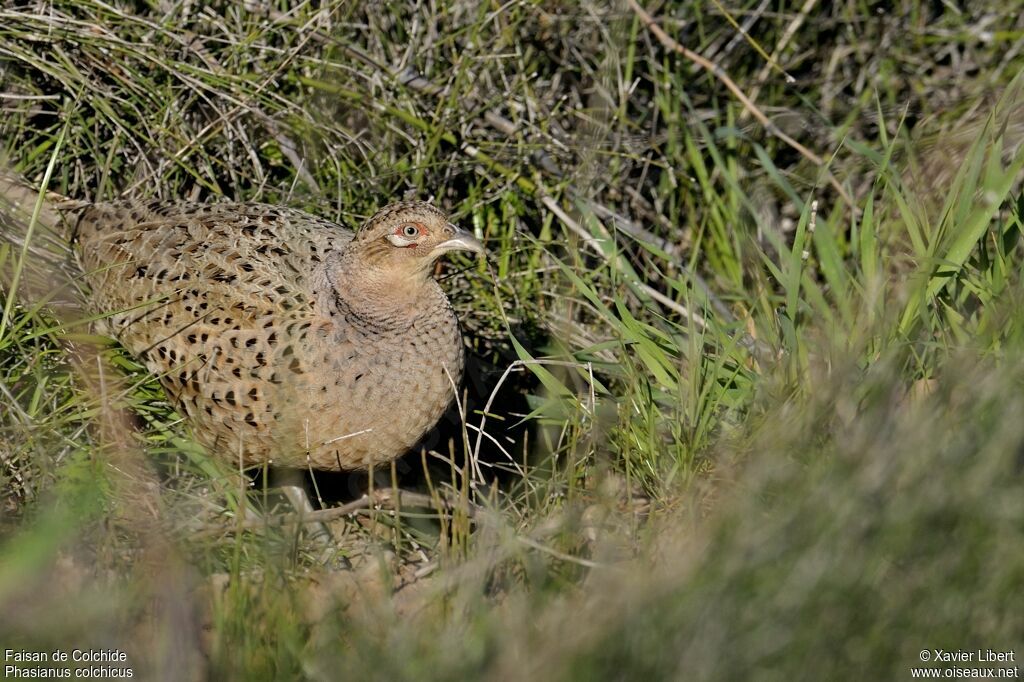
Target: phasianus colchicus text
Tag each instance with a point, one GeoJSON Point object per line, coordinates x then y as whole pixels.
{"type": "Point", "coordinates": [284, 338]}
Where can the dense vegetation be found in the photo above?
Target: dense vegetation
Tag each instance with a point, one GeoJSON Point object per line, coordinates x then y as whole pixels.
{"type": "Point", "coordinates": [745, 387]}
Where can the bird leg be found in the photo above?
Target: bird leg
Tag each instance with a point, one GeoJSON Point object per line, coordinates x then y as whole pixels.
{"type": "Point", "coordinates": [291, 482]}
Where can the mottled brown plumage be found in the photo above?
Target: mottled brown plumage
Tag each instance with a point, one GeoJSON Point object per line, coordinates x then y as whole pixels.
{"type": "Point", "coordinates": [282, 337]}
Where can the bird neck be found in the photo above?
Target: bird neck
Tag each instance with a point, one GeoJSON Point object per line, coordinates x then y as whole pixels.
{"type": "Point", "coordinates": [378, 294]}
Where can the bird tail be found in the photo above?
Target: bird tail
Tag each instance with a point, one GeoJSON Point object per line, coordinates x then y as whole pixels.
{"type": "Point", "coordinates": [37, 269]}
{"type": "Point", "coordinates": [36, 260]}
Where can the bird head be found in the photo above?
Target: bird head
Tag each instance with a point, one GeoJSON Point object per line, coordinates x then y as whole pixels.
{"type": "Point", "coordinates": [406, 238]}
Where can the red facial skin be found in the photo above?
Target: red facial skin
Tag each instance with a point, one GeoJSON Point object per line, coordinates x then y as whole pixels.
{"type": "Point", "coordinates": [400, 232]}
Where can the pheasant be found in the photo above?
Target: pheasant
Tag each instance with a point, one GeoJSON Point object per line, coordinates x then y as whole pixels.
{"type": "Point", "coordinates": [285, 339]}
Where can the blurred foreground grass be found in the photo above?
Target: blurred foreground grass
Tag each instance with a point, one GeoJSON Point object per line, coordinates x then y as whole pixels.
{"type": "Point", "coordinates": [752, 427]}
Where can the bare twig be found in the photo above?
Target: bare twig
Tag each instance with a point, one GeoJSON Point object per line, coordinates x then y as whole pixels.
{"type": "Point", "coordinates": [715, 70]}
{"type": "Point", "coordinates": [392, 499]}
{"type": "Point", "coordinates": [787, 36]}
{"type": "Point", "coordinates": [595, 246]}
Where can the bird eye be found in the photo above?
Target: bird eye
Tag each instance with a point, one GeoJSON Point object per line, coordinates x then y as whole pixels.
{"type": "Point", "coordinates": [411, 231]}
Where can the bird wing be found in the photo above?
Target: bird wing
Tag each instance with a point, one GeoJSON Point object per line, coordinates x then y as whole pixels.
{"type": "Point", "coordinates": [155, 265]}
{"type": "Point", "coordinates": [212, 299]}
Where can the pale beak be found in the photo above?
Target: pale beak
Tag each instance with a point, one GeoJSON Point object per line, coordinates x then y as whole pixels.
{"type": "Point", "coordinates": [459, 240]}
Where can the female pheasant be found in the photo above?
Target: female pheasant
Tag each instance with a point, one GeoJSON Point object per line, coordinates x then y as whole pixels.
{"type": "Point", "coordinates": [284, 338]}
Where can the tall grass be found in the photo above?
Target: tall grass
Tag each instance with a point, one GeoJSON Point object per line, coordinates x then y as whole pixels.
{"type": "Point", "coordinates": [729, 413]}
